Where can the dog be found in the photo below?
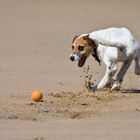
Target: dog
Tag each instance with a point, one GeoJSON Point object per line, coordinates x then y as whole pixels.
{"type": "Point", "coordinates": [110, 46]}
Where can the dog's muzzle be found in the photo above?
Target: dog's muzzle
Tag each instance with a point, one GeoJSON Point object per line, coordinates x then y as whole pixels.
{"type": "Point", "coordinates": [81, 60]}
{"type": "Point", "coordinates": [74, 57]}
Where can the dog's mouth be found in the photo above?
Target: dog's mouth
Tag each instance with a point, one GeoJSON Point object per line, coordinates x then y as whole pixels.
{"type": "Point", "coordinates": [82, 60]}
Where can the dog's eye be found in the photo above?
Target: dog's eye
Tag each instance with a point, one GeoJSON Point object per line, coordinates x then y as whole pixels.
{"type": "Point", "coordinates": [81, 48]}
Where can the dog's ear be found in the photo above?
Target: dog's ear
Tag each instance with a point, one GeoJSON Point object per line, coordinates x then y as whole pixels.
{"type": "Point", "coordinates": [74, 38]}
{"type": "Point", "coordinates": [89, 41]}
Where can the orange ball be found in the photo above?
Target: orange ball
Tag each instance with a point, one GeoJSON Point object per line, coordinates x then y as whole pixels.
{"type": "Point", "coordinates": [37, 96]}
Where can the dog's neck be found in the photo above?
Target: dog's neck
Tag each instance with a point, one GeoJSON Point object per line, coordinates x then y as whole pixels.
{"type": "Point", "coordinates": [94, 53]}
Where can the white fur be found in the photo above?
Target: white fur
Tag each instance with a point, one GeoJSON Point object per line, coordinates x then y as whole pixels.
{"type": "Point", "coordinates": [116, 45]}
{"type": "Point", "coordinates": [82, 35]}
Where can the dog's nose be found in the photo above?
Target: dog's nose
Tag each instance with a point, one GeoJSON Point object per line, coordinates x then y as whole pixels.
{"type": "Point", "coordinates": [72, 58]}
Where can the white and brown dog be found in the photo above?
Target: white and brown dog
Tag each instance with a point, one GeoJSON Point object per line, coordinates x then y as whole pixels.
{"type": "Point", "coordinates": [109, 46]}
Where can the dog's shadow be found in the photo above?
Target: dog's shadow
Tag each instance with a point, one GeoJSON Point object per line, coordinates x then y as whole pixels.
{"type": "Point", "coordinates": [132, 91]}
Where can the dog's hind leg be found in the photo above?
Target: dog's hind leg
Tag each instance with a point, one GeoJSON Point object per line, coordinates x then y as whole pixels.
{"type": "Point", "coordinates": [120, 75]}
{"type": "Point", "coordinates": [137, 65]}
{"type": "Point", "coordinates": [137, 60]}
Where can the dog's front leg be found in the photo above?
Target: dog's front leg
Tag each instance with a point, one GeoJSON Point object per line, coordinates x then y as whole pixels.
{"type": "Point", "coordinates": [110, 71]}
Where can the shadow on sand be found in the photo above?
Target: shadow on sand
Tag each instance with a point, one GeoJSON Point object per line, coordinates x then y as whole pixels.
{"type": "Point", "coordinates": [135, 91]}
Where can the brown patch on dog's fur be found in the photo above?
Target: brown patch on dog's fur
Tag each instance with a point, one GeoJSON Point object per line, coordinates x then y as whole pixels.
{"type": "Point", "coordinates": [73, 41]}
{"type": "Point", "coordinates": [89, 41]}
{"type": "Point", "coordinates": [74, 38]}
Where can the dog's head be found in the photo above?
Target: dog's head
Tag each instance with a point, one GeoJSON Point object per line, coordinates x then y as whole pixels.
{"type": "Point", "coordinates": [82, 48]}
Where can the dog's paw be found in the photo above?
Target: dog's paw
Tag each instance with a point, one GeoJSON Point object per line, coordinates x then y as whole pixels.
{"type": "Point", "coordinates": [94, 88]}
{"type": "Point", "coordinates": [110, 84]}
{"type": "Point", "coordinates": [116, 86]}
{"type": "Point", "coordinates": [137, 70]}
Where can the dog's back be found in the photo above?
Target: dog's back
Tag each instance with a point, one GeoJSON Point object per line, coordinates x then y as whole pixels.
{"type": "Point", "coordinates": [116, 37]}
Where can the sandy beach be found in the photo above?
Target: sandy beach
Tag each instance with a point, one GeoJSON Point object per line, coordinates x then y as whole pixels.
{"type": "Point", "coordinates": [35, 44]}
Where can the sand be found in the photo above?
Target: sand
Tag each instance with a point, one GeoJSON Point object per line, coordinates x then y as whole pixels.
{"type": "Point", "coordinates": [35, 44]}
